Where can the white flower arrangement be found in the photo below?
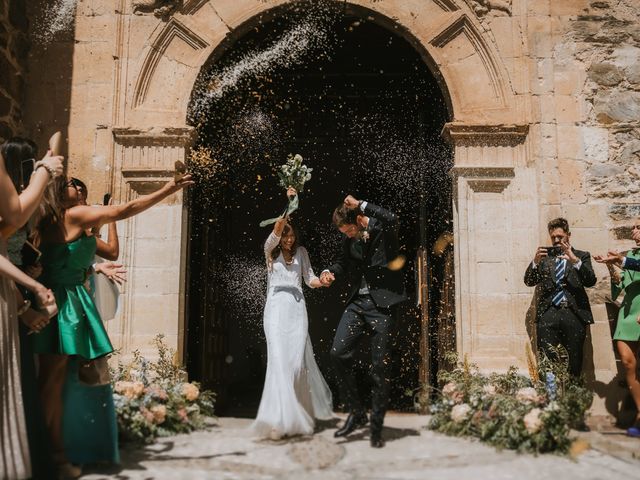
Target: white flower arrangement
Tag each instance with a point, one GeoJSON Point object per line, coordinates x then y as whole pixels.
{"type": "Point", "coordinates": [294, 173]}
{"type": "Point", "coordinates": [460, 413]}
{"type": "Point", "coordinates": [528, 395]}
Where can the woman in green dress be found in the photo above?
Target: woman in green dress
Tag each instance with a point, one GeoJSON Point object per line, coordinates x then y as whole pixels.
{"type": "Point", "coordinates": [627, 334]}
{"type": "Point", "coordinates": [67, 254]}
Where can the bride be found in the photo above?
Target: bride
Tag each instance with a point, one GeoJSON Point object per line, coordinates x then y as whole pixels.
{"type": "Point", "coordinates": [294, 390]}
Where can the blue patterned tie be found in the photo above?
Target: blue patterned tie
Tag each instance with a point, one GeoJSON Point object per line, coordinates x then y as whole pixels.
{"type": "Point", "coordinates": [559, 296]}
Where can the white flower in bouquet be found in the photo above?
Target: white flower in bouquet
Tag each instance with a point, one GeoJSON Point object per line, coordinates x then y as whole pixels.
{"type": "Point", "coordinates": [528, 395]}
{"type": "Point", "coordinates": [489, 390]}
{"type": "Point", "coordinates": [460, 413]}
{"type": "Point", "coordinates": [294, 173]}
{"type": "Point", "coordinates": [533, 420]}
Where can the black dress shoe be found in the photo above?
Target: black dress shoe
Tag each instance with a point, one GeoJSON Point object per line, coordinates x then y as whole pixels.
{"type": "Point", "coordinates": [376, 439]}
{"type": "Point", "coordinates": [354, 420]}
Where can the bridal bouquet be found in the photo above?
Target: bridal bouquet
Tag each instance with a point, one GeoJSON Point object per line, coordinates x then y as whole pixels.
{"type": "Point", "coordinates": [294, 173]}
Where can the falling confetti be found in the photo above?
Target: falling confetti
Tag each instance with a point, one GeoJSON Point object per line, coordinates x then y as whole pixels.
{"type": "Point", "coordinates": [312, 33]}
{"type": "Point", "coordinates": [56, 17]}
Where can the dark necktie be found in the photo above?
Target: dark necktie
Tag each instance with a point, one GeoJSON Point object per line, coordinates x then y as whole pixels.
{"type": "Point", "coordinates": [559, 296]}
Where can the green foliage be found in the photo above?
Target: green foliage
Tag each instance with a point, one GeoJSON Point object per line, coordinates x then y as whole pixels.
{"type": "Point", "coordinates": [510, 410]}
{"type": "Point", "coordinates": [154, 399]}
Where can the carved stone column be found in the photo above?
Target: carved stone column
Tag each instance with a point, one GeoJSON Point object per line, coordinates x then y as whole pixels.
{"type": "Point", "coordinates": [152, 242]}
{"type": "Point", "coordinates": [495, 220]}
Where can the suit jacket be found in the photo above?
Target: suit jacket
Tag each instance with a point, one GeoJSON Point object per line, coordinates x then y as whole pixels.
{"type": "Point", "coordinates": [574, 283]}
{"type": "Point", "coordinates": [632, 264]}
{"type": "Point", "coordinates": [386, 287]}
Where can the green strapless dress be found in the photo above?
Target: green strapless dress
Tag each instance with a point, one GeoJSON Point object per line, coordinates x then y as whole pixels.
{"type": "Point", "coordinates": [78, 328]}
{"type": "Point", "coordinates": [628, 328]}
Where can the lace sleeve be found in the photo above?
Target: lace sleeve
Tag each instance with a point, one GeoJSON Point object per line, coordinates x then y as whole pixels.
{"type": "Point", "coordinates": [271, 243]}
{"type": "Point", "coordinates": [305, 264]}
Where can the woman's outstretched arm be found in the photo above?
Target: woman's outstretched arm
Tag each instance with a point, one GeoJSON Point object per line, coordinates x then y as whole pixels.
{"type": "Point", "coordinates": [89, 217]}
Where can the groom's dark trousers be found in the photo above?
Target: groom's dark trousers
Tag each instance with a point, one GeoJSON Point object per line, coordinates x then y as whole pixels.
{"type": "Point", "coordinates": [365, 264]}
{"type": "Point", "coordinates": [361, 316]}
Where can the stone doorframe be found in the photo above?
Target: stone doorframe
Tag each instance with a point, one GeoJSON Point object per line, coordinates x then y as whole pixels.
{"type": "Point", "coordinates": [162, 54]}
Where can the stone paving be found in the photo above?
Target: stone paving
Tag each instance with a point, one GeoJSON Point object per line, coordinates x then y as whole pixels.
{"type": "Point", "coordinates": [227, 451]}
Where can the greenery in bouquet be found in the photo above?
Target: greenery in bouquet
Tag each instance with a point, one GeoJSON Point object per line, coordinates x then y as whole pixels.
{"type": "Point", "coordinates": [294, 173]}
{"type": "Point", "coordinates": [154, 399]}
{"type": "Point", "coordinates": [510, 410]}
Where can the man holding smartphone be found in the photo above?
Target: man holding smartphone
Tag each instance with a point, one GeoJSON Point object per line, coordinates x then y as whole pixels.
{"type": "Point", "coordinates": [560, 274]}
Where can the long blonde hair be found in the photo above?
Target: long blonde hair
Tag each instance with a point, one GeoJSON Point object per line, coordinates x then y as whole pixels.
{"type": "Point", "coordinates": [52, 207]}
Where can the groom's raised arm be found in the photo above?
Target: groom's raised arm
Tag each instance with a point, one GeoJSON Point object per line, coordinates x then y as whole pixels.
{"type": "Point", "coordinates": [386, 218]}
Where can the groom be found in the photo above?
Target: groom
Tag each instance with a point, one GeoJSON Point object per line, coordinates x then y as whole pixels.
{"type": "Point", "coordinates": [370, 245]}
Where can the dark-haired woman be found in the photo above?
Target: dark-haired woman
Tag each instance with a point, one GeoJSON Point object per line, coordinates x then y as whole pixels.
{"type": "Point", "coordinates": [15, 211]}
{"type": "Point", "coordinates": [19, 155]}
{"type": "Point", "coordinates": [67, 254]}
{"type": "Point", "coordinates": [294, 390]}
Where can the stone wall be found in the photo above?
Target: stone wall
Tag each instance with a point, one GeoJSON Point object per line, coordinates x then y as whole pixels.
{"type": "Point", "coordinates": [14, 46]}
{"type": "Point", "coordinates": [546, 97]}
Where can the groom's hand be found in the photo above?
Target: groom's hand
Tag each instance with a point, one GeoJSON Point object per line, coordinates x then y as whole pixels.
{"type": "Point", "coordinates": [351, 203]}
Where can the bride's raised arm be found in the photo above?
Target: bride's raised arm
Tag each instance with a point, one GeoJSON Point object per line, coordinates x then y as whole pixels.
{"type": "Point", "coordinates": [274, 237]}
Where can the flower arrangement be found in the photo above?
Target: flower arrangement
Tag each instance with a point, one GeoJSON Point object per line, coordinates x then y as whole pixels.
{"type": "Point", "coordinates": [294, 173]}
{"type": "Point", "coordinates": [511, 410]}
{"type": "Point", "coordinates": [153, 399]}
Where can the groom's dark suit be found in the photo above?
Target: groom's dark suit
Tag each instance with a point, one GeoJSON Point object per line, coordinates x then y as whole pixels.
{"type": "Point", "coordinates": [565, 324]}
{"type": "Point", "coordinates": [374, 290]}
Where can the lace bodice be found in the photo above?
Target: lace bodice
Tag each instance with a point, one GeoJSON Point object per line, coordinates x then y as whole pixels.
{"type": "Point", "coordinates": [282, 275]}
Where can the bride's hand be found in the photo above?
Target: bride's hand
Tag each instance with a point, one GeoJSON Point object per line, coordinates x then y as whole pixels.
{"type": "Point", "coordinates": [291, 192]}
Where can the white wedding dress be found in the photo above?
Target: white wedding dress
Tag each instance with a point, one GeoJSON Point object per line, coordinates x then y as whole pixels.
{"type": "Point", "coordinates": [295, 391]}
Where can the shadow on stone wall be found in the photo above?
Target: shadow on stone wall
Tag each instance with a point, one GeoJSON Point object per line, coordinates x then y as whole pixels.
{"type": "Point", "coordinates": [50, 70]}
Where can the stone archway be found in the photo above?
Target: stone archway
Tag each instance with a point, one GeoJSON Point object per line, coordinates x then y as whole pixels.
{"type": "Point", "coordinates": [493, 187]}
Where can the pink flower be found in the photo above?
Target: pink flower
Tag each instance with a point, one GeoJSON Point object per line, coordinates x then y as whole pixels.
{"type": "Point", "coordinates": [190, 391]}
{"type": "Point", "coordinates": [159, 413]}
{"type": "Point", "coordinates": [148, 416]}
{"type": "Point", "coordinates": [131, 390]}
{"type": "Point", "coordinates": [533, 421]}
{"type": "Point", "coordinates": [184, 416]}
{"type": "Point", "coordinates": [157, 392]}
{"type": "Point", "coordinates": [449, 389]}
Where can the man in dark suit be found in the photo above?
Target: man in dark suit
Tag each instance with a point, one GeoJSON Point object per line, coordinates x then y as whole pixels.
{"type": "Point", "coordinates": [369, 260]}
{"type": "Point", "coordinates": [560, 275]}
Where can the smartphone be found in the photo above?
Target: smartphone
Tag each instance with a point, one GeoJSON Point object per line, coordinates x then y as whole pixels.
{"type": "Point", "coordinates": [554, 251]}
{"type": "Point", "coordinates": [106, 199]}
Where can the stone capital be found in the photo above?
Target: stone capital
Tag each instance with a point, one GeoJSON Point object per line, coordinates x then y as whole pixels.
{"type": "Point", "coordinates": [500, 135]}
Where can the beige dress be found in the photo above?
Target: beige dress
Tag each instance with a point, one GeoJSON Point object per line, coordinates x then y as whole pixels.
{"type": "Point", "coordinates": [14, 449]}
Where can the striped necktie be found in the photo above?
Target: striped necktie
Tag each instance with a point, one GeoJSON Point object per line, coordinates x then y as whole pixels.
{"type": "Point", "coordinates": [559, 296]}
